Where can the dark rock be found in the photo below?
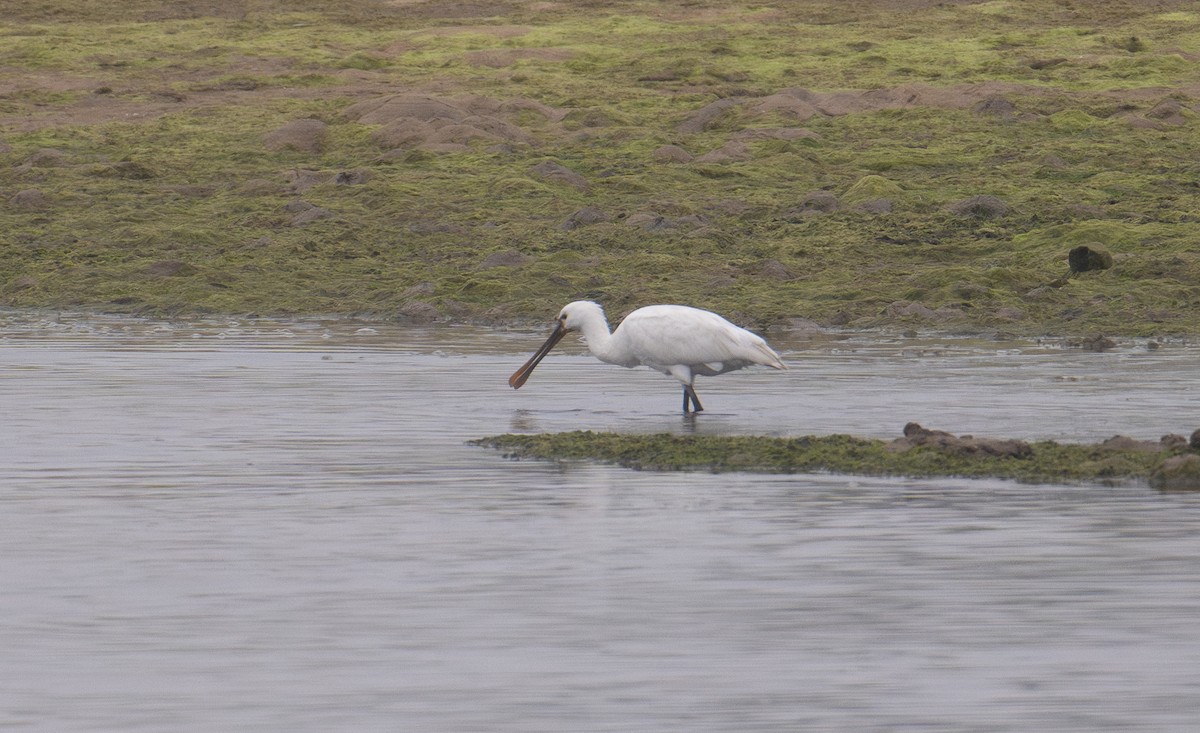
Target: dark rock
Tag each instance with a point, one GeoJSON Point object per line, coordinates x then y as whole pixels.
{"type": "Point", "coordinates": [980, 207]}
{"type": "Point", "coordinates": [1088, 257]}
{"type": "Point", "coordinates": [1177, 473]}
{"type": "Point", "coordinates": [1172, 441]}
{"type": "Point", "coordinates": [1194, 442]}
{"type": "Point", "coordinates": [966, 445]}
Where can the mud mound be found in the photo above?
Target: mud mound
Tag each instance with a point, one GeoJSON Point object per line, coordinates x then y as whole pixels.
{"type": "Point", "coordinates": [502, 57]}
{"type": "Point", "coordinates": [307, 136]}
{"type": "Point", "coordinates": [800, 104]}
{"type": "Point", "coordinates": [422, 120]}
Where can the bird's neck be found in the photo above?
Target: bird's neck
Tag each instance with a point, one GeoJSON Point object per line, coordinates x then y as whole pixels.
{"type": "Point", "coordinates": [599, 339]}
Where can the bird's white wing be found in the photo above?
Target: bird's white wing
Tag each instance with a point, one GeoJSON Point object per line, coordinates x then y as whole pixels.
{"type": "Point", "coordinates": [666, 335]}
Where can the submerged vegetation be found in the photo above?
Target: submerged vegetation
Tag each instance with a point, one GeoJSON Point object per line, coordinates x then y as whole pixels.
{"type": "Point", "coordinates": [860, 163]}
{"type": "Point", "coordinates": [1169, 465]}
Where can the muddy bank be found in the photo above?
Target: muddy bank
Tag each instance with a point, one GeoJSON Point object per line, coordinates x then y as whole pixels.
{"type": "Point", "coordinates": [955, 167]}
{"type": "Point", "coordinates": [1171, 463]}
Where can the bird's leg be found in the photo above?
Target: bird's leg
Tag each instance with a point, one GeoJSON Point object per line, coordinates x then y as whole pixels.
{"type": "Point", "coordinates": [690, 393]}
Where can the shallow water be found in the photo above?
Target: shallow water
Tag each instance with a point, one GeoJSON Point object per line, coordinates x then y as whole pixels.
{"type": "Point", "coordinates": [280, 526]}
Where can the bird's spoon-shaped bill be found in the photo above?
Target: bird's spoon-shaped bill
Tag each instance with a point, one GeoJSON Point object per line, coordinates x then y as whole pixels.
{"type": "Point", "coordinates": [520, 376]}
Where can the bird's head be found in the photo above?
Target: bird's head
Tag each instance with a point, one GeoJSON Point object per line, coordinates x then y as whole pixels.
{"type": "Point", "coordinates": [575, 314]}
{"type": "Point", "coordinates": [572, 317]}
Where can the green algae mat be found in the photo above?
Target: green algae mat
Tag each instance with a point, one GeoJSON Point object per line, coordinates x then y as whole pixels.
{"type": "Point", "coordinates": [1169, 464]}
{"type": "Point", "coordinates": [858, 163]}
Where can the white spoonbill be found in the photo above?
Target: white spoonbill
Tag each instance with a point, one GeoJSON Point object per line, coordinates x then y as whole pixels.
{"type": "Point", "coordinates": [677, 340]}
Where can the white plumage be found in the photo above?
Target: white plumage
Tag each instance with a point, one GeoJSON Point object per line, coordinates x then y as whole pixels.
{"type": "Point", "coordinates": [674, 339]}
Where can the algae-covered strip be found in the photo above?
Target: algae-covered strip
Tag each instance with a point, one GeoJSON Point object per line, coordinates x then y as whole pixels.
{"type": "Point", "coordinates": [1043, 461]}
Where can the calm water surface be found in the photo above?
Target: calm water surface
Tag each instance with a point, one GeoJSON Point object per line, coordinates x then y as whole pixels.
{"type": "Point", "coordinates": [280, 527]}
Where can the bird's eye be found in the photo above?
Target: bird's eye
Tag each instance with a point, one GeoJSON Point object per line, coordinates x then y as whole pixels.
{"type": "Point", "coordinates": [563, 317]}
